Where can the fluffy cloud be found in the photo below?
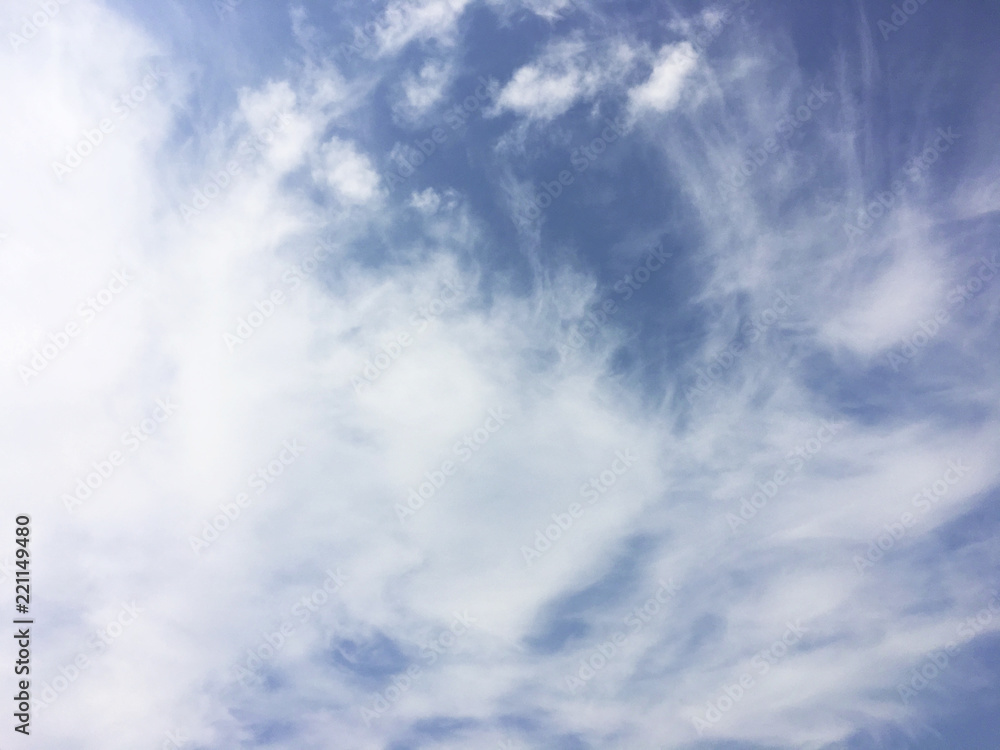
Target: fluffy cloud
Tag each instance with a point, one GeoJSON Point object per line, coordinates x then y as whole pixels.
{"type": "Point", "coordinates": [662, 90]}
{"type": "Point", "coordinates": [421, 92]}
{"type": "Point", "coordinates": [567, 72]}
{"type": "Point", "coordinates": [404, 21]}
{"type": "Point", "coordinates": [347, 172]}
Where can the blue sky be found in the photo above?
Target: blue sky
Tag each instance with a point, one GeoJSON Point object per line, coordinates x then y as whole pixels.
{"type": "Point", "coordinates": [505, 374]}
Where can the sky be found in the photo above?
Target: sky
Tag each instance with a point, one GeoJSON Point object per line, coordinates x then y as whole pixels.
{"type": "Point", "coordinates": [502, 374]}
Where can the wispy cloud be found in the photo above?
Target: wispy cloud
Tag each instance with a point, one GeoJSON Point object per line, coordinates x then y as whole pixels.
{"type": "Point", "coordinates": [597, 427]}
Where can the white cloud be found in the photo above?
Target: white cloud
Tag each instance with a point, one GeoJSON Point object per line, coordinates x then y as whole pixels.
{"type": "Point", "coordinates": [347, 172]}
{"type": "Point", "coordinates": [555, 10]}
{"type": "Point", "coordinates": [887, 304]}
{"type": "Point", "coordinates": [476, 339]}
{"type": "Point", "coordinates": [421, 92]}
{"type": "Point", "coordinates": [662, 90]}
{"type": "Point", "coordinates": [405, 21]}
{"type": "Point", "coordinates": [567, 72]}
{"type": "Point", "coordinates": [429, 200]}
